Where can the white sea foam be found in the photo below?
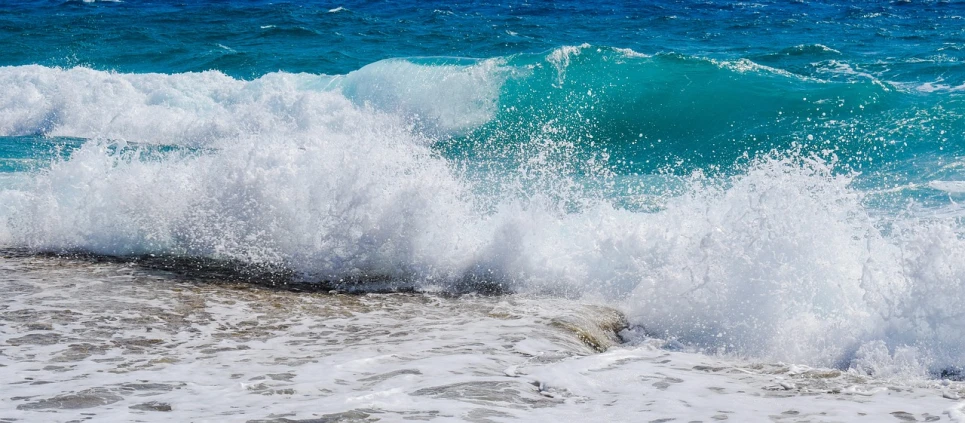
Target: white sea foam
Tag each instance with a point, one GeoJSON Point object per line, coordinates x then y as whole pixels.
{"type": "Point", "coordinates": [138, 344]}
{"type": "Point", "coordinates": [202, 108]}
{"type": "Point", "coordinates": [835, 67]}
{"type": "Point", "coordinates": [930, 87]}
{"type": "Point", "coordinates": [630, 53]}
{"type": "Point", "coordinates": [810, 48]}
{"type": "Point", "coordinates": [956, 187]}
{"type": "Point", "coordinates": [335, 181]}
{"type": "Point", "coordinates": [560, 59]}
{"type": "Point", "coordinates": [193, 109]}
{"type": "Point", "coordinates": [747, 66]}
{"type": "Point", "coordinates": [446, 98]}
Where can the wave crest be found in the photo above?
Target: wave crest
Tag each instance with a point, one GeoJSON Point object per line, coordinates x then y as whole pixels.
{"type": "Point", "coordinates": [443, 174]}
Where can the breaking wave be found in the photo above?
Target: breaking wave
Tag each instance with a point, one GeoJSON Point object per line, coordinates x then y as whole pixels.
{"type": "Point", "coordinates": [732, 207]}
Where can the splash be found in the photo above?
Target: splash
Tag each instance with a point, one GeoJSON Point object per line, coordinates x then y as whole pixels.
{"type": "Point", "coordinates": [523, 174]}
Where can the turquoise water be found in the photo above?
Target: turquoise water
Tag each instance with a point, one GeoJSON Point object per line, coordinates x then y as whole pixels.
{"type": "Point", "coordinates": [879, 83]}
{"type": "Point", "coordinates": [771, 178]}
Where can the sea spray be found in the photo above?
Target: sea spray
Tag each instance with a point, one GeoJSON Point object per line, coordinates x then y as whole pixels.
{"type": "Point", "coordinates": [771, 240]}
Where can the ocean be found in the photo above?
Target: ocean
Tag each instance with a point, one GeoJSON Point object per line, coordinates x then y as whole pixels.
{"type": "Point", "coordinates": [278, 211]}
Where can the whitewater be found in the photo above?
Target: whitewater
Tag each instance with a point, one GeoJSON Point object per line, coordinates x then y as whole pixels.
{"type": "Point", "coordinates": [633, 234]}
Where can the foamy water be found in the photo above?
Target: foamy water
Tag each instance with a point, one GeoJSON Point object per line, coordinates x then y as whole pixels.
{"type": "Point", "coordinates": [114, 341]}
{"type": "Point", "coordinates": [781, 261]}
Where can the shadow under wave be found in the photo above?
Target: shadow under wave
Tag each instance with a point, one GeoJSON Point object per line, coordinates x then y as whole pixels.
{"type": "Point", "coordinates": [271, 276]}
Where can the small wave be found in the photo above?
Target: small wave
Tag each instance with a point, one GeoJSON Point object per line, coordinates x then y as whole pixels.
{"type": "Point", "coordinates": [746, 65]}
{"type": "Point", "coordinates": [297, 31]}
{"type": "Point", "coordinates": [560, 59]}
{"type": "Point", "coordinates": [630, 53]}
{"type": "Point", "coordinates": [809, 49]}
{"type": "Point", "coordinates": [931, 87]}
{"type": "Point", "coordinates": [839, 68]}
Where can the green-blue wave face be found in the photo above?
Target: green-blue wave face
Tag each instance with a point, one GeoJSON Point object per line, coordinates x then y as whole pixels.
{"type": "Point", "coordinates": [602, 111]}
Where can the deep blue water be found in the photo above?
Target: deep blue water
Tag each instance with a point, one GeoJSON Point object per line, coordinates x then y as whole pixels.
{"type": "Point", "coordinates": [899, 41]}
